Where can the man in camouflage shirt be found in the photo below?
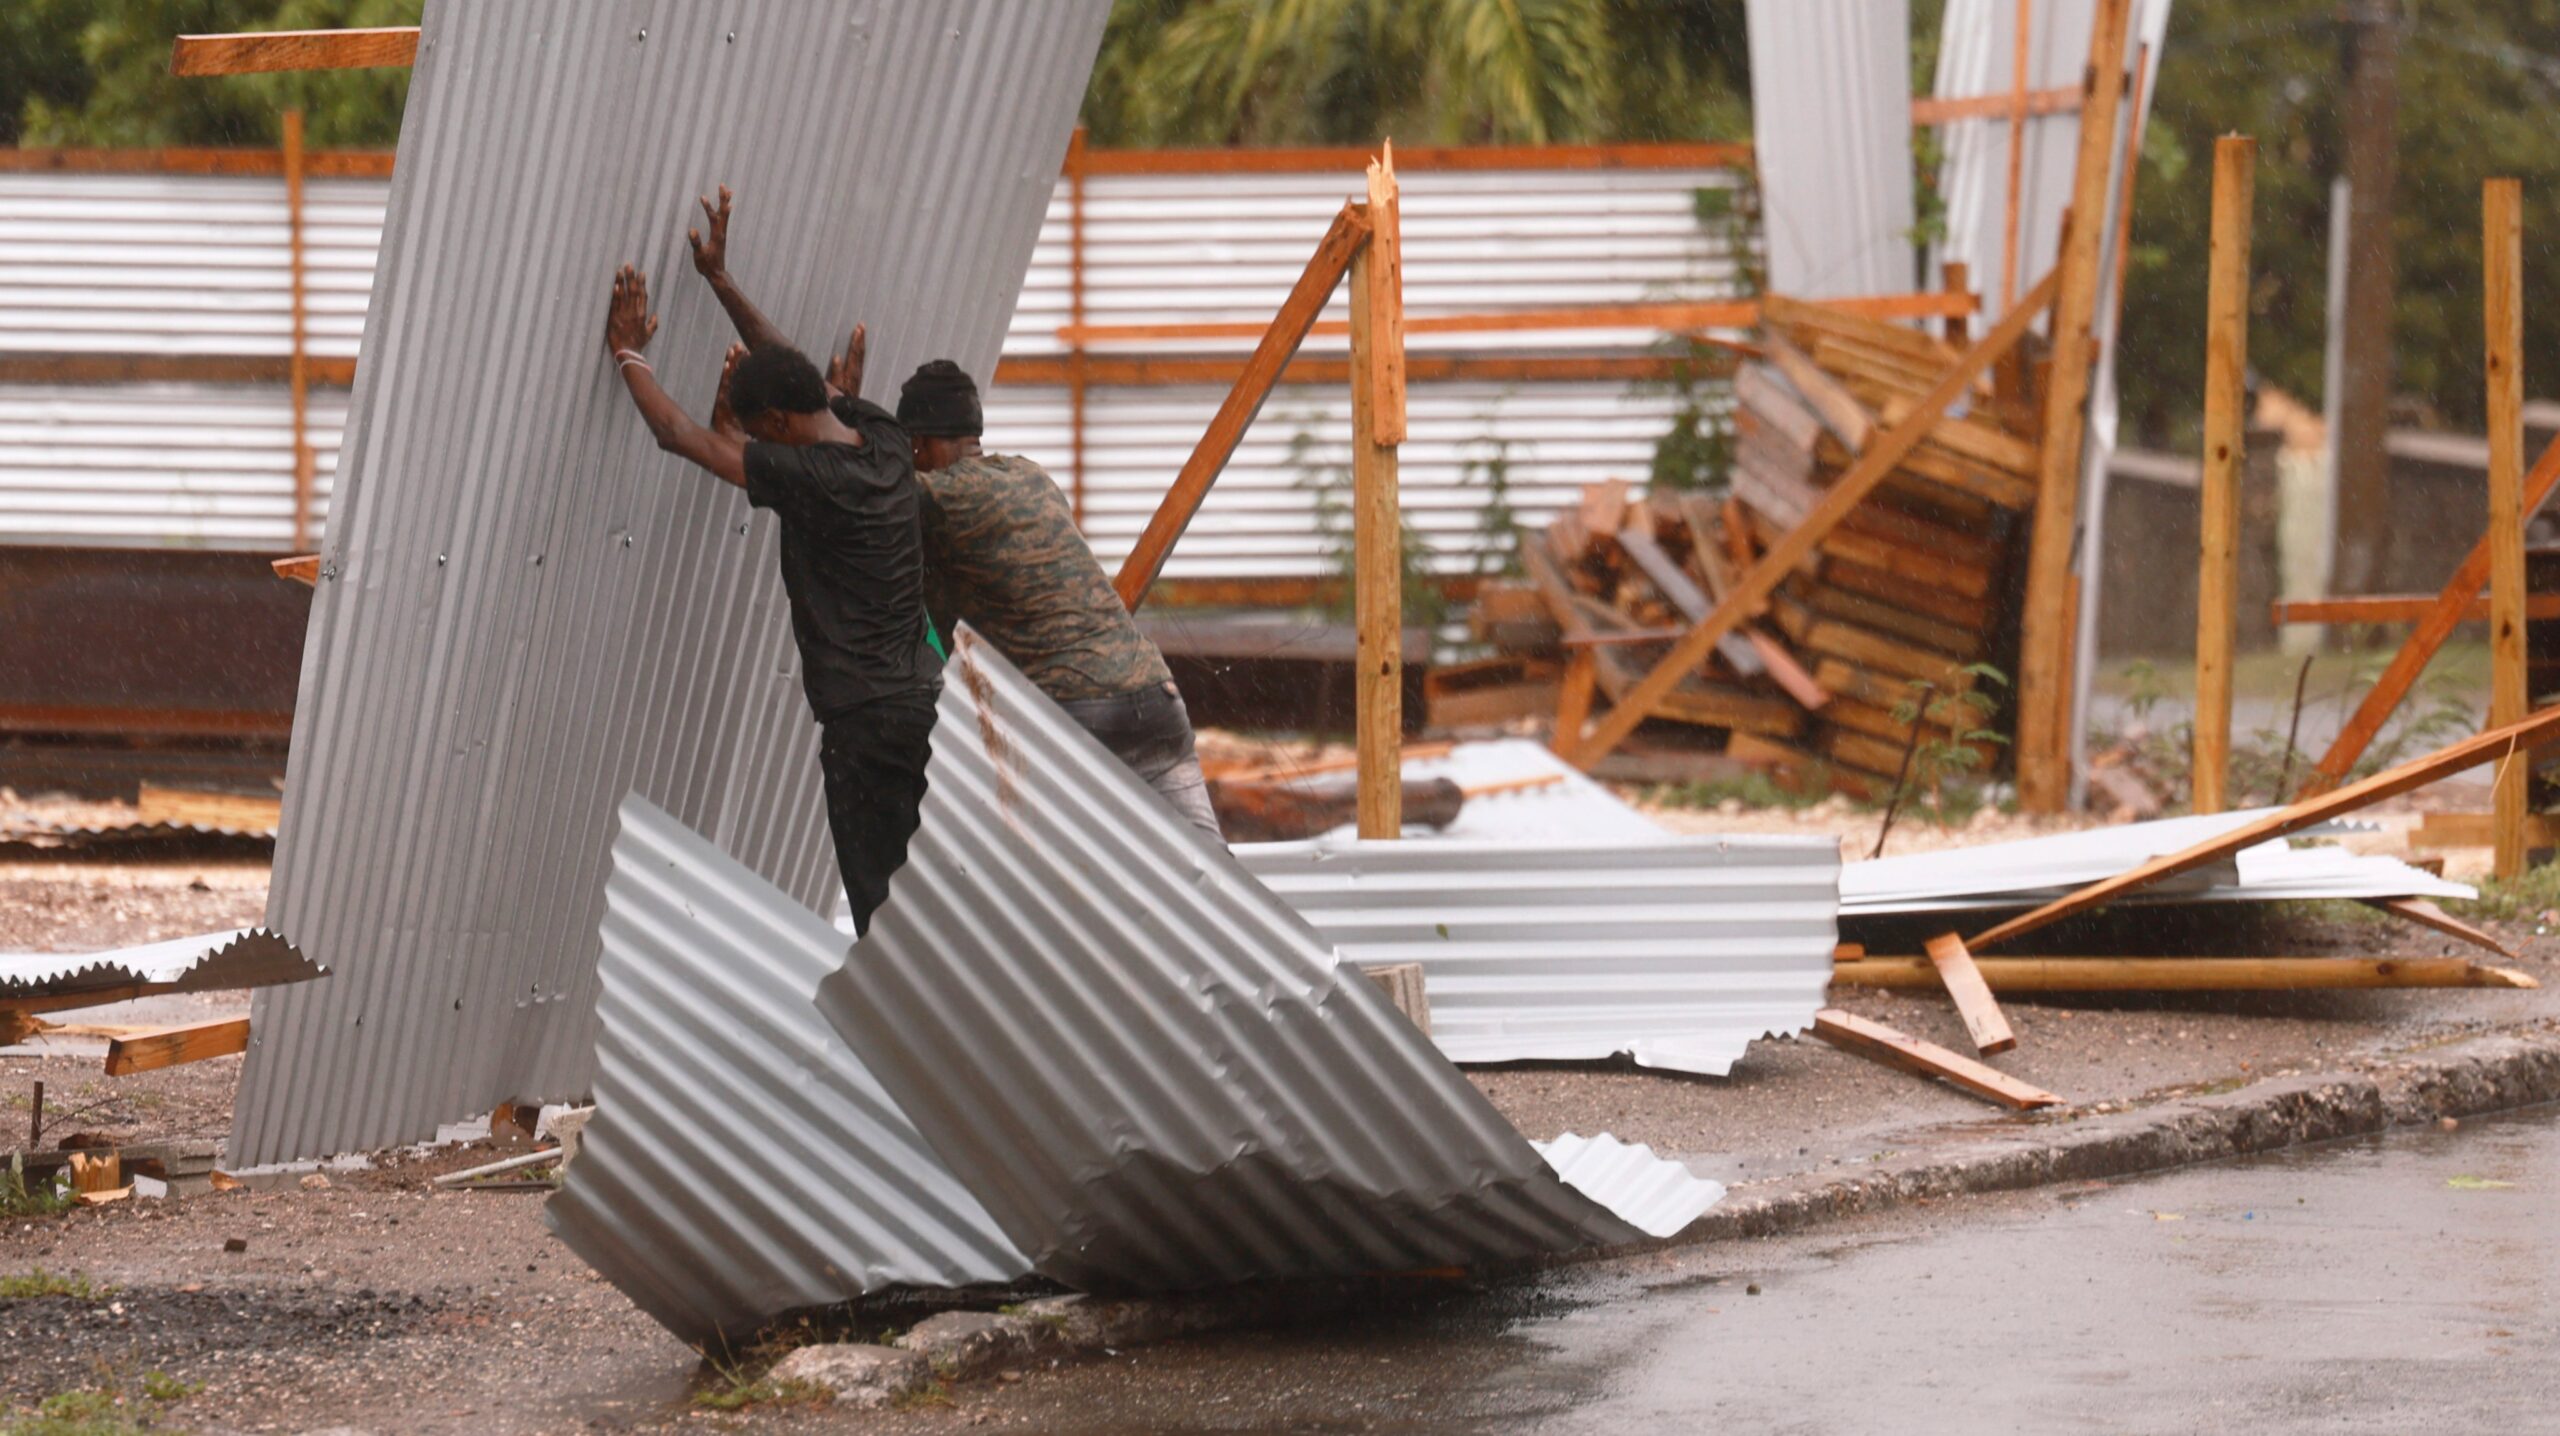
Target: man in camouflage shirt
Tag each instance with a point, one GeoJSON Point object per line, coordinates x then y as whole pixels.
{"type": "Point", "coordinates": [1003, 553]}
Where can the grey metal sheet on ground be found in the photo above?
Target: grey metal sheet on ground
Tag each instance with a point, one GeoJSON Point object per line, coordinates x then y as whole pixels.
{"type": "Point", "coordinates": [1676, 951]}
{"type": "Point", "coordinates": [527, 611]}
{"type": "Point", "coordinates": [1152, 1072]}
{"type": "Point", "coordinates": [208, 962]}
{"type": "Point", "coordinates": [741, 1162]}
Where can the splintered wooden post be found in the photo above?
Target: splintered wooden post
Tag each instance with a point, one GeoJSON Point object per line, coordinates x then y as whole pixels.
{"type": "Point", "coordinates": [1983, 1021]}
{"type": "Point", "coordinates": [2044, 646]}
{"type": "Point", "coordinates": [2226, 364]}
{"type": "Point", "coordinates": [1377, 524]}
{"type": "Point", "coordinates": [300, 375]}
{"type": "Point", "coordinates": [2502, 274]}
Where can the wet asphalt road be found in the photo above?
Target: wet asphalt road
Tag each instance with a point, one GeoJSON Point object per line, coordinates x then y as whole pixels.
{"type": "Point", "coordinates": [2403, 1285]}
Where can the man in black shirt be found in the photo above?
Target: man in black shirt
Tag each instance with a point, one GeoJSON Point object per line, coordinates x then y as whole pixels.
{"type": "Point", "coordinates": [841, 479]}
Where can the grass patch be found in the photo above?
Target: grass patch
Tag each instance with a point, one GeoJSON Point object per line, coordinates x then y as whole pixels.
{"type": "Point", "coordinates": [733, 1390]}
{"type": "Point", "coordinates": [76, 1413]}
{"type": "Point", "coordinates": [29, 1285]}
{"type": "Point", "coordinates": [160, 1386]}
{"type": "Point", "coordinates": [19, 1198]}
{"type": "Point", "coordinates": [2523, 898]}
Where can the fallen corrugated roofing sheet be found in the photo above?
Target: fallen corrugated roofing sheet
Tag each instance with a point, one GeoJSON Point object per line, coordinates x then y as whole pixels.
{"type": "Point", "coordinates": [1522, 792]}
{"type": "Point", "coordinates": [2030, 871]}
{"type": "Point", "coordinates": [209, 962]}
{"type": "Point", "coordinates": [1152, 1073]}
{"type": "Point", "coordinates": [741, 1162]}
{"type": "Point", "coordinates": [527, 610]}
{"type": "Point", "coordinates": [1677, 952]}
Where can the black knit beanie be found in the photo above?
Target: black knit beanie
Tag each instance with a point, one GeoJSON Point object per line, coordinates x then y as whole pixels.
{"type": "Point", "coordinates": [941, 402]}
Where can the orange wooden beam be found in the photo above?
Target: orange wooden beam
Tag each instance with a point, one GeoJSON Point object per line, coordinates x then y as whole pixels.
{"type": "Point", "coordinates": [262, 52]}
{"type": "Point", "coordinates": [1705, 314]}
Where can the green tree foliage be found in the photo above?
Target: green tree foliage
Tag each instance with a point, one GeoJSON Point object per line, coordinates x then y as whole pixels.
{"type": "Point", "coordinates": [96, 72]}
{"type": "Point", "coordinates": [1428, 71]}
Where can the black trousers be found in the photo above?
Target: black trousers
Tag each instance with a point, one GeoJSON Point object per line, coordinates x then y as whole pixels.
{"type": "Point", "coordinates": [874, 761]}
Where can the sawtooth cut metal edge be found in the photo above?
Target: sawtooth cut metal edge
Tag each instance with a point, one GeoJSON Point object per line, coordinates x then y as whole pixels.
{"type": "Point", "coordinates": [2496, 1073]}
{"type": "Point", "coordinates": [1156, 1075]}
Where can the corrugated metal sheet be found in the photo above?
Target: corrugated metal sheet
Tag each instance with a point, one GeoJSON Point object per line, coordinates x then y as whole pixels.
{"type": "Point", "coordinates": [742, 1163]}
{"type": "Point", "coordinates": [2031, 871]}
{"type": "Point", "coordinates": [210, 962]}
{"type": "Point", "coordinates": [1831, 129]}
{"type": "Point", "coordinates": [534, 612]}
{"type": "Point", "coordinates": [1152, 1072]}
{"type": "Point", "coordinates": [1565, 807]}
{"type": "Point", "coordinates": [1677, 952]}
{"type": "Point", "coordinates": [1177, 248]}
{"type": "Point", "coordinates": [176, 465]}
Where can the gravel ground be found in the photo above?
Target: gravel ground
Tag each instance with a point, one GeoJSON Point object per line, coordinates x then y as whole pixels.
{"type": "Point", "coordinates": [380, 1303]}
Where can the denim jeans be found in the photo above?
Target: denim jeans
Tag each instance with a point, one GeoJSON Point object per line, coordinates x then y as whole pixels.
{"type": "Point", "coordinates": [1150, 730]}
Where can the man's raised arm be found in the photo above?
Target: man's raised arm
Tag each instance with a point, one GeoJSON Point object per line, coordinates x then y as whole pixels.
{"type": "Point", "coordinates": [628, 327]}
{"type": "Point", "coordinates": [711, 261]}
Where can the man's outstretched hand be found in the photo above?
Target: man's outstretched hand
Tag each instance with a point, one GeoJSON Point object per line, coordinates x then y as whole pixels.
{"type": "Point", "coordinates": [711, 256]}
{"type": "Point", "coordinates": [844, 371]}
{"type": "Point", "coordinates": [628, 324]}
{"type": "Point", "coordinates": [724, 420]}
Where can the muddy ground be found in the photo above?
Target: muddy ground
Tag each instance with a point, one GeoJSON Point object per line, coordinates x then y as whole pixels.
{"type": "Point", "coordinates": [380, 1303]}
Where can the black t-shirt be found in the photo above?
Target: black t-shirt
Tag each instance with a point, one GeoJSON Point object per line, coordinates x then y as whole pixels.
{"type": "Point", "coordinates": [852, 560]}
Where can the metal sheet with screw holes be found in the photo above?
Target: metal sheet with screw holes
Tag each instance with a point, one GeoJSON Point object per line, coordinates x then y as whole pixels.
{"type": "Point", "coordinates": [526, 610]}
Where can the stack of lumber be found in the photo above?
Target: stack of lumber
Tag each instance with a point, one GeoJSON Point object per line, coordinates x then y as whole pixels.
{"type": "Point", "coordinates": [1914, 585]}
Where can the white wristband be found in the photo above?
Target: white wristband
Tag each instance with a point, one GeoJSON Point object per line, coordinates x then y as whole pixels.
{"type": "Point", "coordinates": [628, 357]}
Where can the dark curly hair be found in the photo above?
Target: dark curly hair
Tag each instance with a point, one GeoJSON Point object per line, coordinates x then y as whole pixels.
{"type": "Point", "coordinates": [775, 376]}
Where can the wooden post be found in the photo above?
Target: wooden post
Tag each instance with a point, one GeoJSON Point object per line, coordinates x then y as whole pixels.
{"type": "Point", "coordinates": [303, 467]}
{"type": "Point", "coordinates": [2226, 364]}
{"type": "Point", "coordinates": [1957, 278]}
{"type": "Point", "coordinates": [2502, 293]}
{"type": "Point", "coordinates": [2044, 677]}
{"type": "Point", "coordinates": [2017, 156]}
{"type": "Point", "coordinates": [1288, 330]}
{"type": "Point", "coordinates": [1377, 532]}
{"type": "Point", "coordinates": [1075, 317]}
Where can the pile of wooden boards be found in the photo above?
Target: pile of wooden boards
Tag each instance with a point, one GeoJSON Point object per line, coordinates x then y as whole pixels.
{"type": "Point", "coordinates": [1917, 584]}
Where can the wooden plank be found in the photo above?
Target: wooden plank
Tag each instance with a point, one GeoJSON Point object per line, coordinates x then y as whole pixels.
{"type": "Point", "coordinates": [1792, 767]}
{"type": "Point", "coordinates": [1879, 652]}
{"type": "Point", "coordinates": [1377, 544]}
{"type": "Point", "coordinates": [2010, 231]}
{"type": "Point", "coordinates": [2184, 974]}
{"type": "Point", "coordinates": [1351, 159]}
{"type": "Point", "coordinates": [1699, 702]}
{"type": "Point", "coordinates": [2502, 321]}
{"type": "Point", "coordinates": [44, 367]}
{"type": "Point", "coordinates": [1916, 564]}
{"type": "Point", "coordinates": [1932, 110]}
{"type": "Point", "coordinates": [1573, 698]}
{"type": "Point", "coordinates": [1867, 1038]}
{"type": "Point", "coordinates": [2397, 608]}
{"type": "Point", "coordinates": [1805, 319]}
{"type": "Point", "coordinates": [1348, 235]}
{"type": "Point", "coordinates": [1983, 1021]}
{"type": "Point", "coordinates": [2479, 830]}
{"type": "Point", "coordinates": [2459, 593]}
{"type": "Point", "coordinates": [1951, 639]}
{"type": "Point", "coordinates": [1684, 595]}
{"type": "Point", "coordinates": [1886, 370]}
{"type": "Point", "coordinates": [1841, 413]}
{"type": "Point", "coordinates": [1974, 441]}
{"type": "Point", "coordinates": [2426, 914]}
{"type": "Point", "coordinates": [265, 51]}
{"type": "Point", "coordinates": [1764, 577]}
{"type": "Point", "coordinates": [2044, 675]}
{"type": "Point", "coordinates": [2499, 744]}
{"type": "Point", "coordinates": [1850, 683]}
{"type": "Point", "coordinates": [1386, 258]}
{"type": "Point", "coordinates": [304, 470]}
{"type": "Point", "coordinates": [1682, 317]}
{"type": "Point", "coordinates": [302, 568]}
{"type": "Point", "coordinates": [1763, 403]}
{"type": "Point", "coordinates": [2226, 364]}
{"type": "Point", "coordinates": [171, 1046]}
{"type": "Point", "coordinates": [246, 812]}
{"type": "Point", "coordinates": [1849, 576]}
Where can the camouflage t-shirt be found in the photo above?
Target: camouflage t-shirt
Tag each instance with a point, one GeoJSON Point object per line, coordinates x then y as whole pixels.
{"type": "Point", "coordinates": [1002, 552]}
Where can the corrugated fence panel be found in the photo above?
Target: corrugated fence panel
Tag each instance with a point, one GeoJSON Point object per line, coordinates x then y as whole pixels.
{"type": "Point", "coordinates": [534, 611]}
{"type": "Point", "coordinates": [1831, 119]}
{"type": "Point", "coordinates": [171, 264]}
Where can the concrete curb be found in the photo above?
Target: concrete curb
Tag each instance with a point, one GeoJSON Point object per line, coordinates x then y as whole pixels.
{"type": "Point", "coordinates": [2514, 1068]}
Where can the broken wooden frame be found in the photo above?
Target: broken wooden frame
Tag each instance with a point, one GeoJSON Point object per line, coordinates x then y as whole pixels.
{"type": "Point", "coordinates": [1751, 591]}
{"type": "Point", "coordinates": [1868, 1038]}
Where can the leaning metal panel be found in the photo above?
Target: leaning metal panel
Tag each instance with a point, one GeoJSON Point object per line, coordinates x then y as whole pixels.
{"type": "Point", "coordinates": [1149, 1069]}
{"type": "Point", "coordinates": [741, 1162]}
{"type": "Point", "coordinates": [1677, 951]}
{"type": "Point", "coordinates": [526, 611]}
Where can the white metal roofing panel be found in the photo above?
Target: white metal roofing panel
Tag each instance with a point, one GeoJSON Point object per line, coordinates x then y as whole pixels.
{"type": "Point", "coordinates": [529, 610]}
{"type": "Point", "coordinates": [1148, 1068]}
{"type": "Point", "coordinates": [742, 1163]}
{"type": "Point", "coordinates": [1831, 129]}
{"type": "Point", "coordinates": [1566, 807]}
{"type": "Point", "coordinates": [152, 465]}
{"type": "Point", "coordinates": [209, 962]}
{"type": "Point", "coordinates": [1677, 951]}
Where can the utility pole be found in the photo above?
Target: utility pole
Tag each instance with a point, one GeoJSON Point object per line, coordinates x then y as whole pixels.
{"type": "Point", "coordinates": [2371, 112]}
